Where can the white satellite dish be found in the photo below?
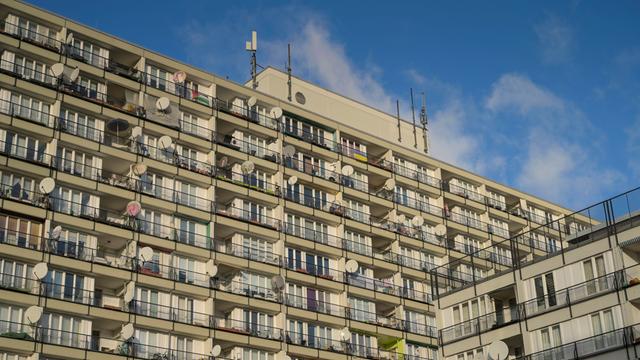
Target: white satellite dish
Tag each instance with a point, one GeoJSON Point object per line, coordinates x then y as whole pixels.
{"type": "Point", "coordinates": [216, 350]}
{"type": "Point", "coordinates": [351, 266]}
{"type": "Point", "coordinates": [223, 162]}
{"type": "Point", "coordinates": [73, 76]}
{"type": "Point", "coordinates": [145, 254]}
{"type": "Point", "coordinates": [345, 334]}
{"type": "Point", "coordinates": [292, 180]}
{"type": "Point", "coordinates": [33, 314]}
{"type": "Point", "coordinates": [165, 142]}
{"type": "Point", "coordinates": [57, 69]}
{"type": "Point", "coordinates": [136, 132]}
{"type": "Point", "coordinates": [40, 270]}
{"type": "Point", "coordinates": [347, 170]}
{"type": "Point", "coordinates": [47, 185]}
{"type": "Point", "coordinates": [288, 150]}
{"type": "Point", "coordinates": [440, 230]}
{"type": "Point", "coordinates": [498, 350]}
{"type": "Point", "coordinates": [55, 232]}
{"type": "Point", "coordinates": [128, 294]}
{"type": "Point", "coordinates": [70, 38]}
{"type": "Point", "coordinates": [247, 167]}
{"type": "Point", "coordinates": [417, 221]}
{"type": "Point", "coordinates": [252, 101]}
{"type": "Point", "coordinates": [179, 77]}
{"type": "Point", "coordinates": [276, 113]}
{"type": "Point", "coordinates": [211, 268]}
{"type": "Point", "coordinates": [277, 282]}
{"type": "Point", "coordinates": [389, 185]}
{"type": "Point", "coordinates": [400, 219]}
{"type": "Point", "coordinates": [133, 208]}
{"type": "Point", "coordinates": [163, 103]}
{"type": "Point", "coordinates": [127, 331]}
{"type": "Point", "coordinates": [139, 169]}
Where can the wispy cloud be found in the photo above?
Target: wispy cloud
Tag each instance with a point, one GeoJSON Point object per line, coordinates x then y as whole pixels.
{"type": "Point", "coordinates": [517, 92]}
{"type": "Point", "coordinates": [555, 39]}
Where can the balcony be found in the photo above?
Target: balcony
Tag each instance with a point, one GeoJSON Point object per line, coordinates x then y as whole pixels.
{"type": "Point", "coordinates": [465, 193]}
{"type": "Point", "coordinates": [172, 157]}
{"type": "Point", "coordinates": [179, 89]}
{"type": "Point", "coordinates": [31, 36]}
{"type": "Point", "coordinates": [249, 216]}
{"type": "Point", "coordinates": [316, 202]}
{"type": "Point", "coordinates": [311, 234]}
{"type": "Point", "coordinates": [316, 342]}
{"type": "Point", "coordinates": [415, 175]}
{"type": "Point", "coordinates": [247, 328]}
{"type": "Point", "coordinates": [477, 325]}
{"type": "Point", "coordinates": [185, 276]}
{"type": "Point", "coordinates": [315, 305]}
{"type": "Point", "coordinates": [250, 253]}
{"type": "Point", "coordinates": [169, 313]}
{"type": "Point", "coordinates": [250, 181]}
{"type": "Point", "coordinates": [241, 288]}
{"type": "Point", "coordinates": [247, 147]}
{"type": "Point", "coordinates": [248, 114]}
{"type": "Point", "coordinates": [313, 269]}
{"type": "Point", "coordinates": [418, 204]}
{"type": "Point", "coordinates": [310, 137]}
{"type": "Point", "coordinates": [308, 167]}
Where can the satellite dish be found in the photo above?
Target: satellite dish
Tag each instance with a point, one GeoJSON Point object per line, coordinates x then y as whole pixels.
{"type": "Point", "coordinates": [440, 230]}
{"type": "Point", "coordinates": [163, 103]}
{"type": "Point", "coordinates": [389, 185]}
{"type": "Point", "coordinates": [498, 350]}
{"type": "Point", "coordinates": [165, 142]}
{"type": "Point", "coordinates": [347, 170]}
{"type": "Point", "coordinates": [288, 150]}
{"type": "Point", "coordinates": [287, 357]}
{"type": "Point", "coordinates": [139, 169]}
{"type": "Point", "coordinates": [211, 268]}
{"type": "Point", "coordinates": [252, 101]}
{"type": "Point", "coordinates": [351, 266]}
{"type": "Point", "coordinates": [146, 254]}
{"type": "Point", "coordinates": [47, 185]}
{"type": "Point", "coordinates": [276, 113]}
{"type": "Point", "coordinates": [128, 294]}
{"type": "Point", "coordinates": [417, 221]}
{"type": "Point", "coordinates": [345, 334]}
{"type": "Point", "coordinates": [57, 69]}
{"type": "Point", "coordinates": [216, 350]}
{"type": "Point", "coordinates": [277, 282]}
{"type": "Point", "coordinates": [223, 162]}
{"type": "Point", "coordinates": [127, 331]}
{"type": "Point", "coordinates": [55, 232]}
{"type": "Point", "coordinates": [179, 77]}
{"type": "Point", "coordinates": [400, 219]}
{"type": "Point", "coordinates": [73, 76]}
{"type": "Point", "coordinates": [136, 132]}
{"type": "Point", "coordinates": [33, 314]}
{"type": "Point", "coordinates": [292, 180]}
{"type": "Point", "coordinates": [133, 208]}
{"type": "Point", "coordinates": [247, 167]}
{"type": "Point", "coordinates": [40, 270]}
{"type": "Point", "coordinates": [70, 38]}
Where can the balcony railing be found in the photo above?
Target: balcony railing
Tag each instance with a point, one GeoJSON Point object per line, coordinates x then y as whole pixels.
{"type": "Point", "coordinates": [241, 288]}
{"type": "Point", "coordinates": [310, 137]}
{"type": "Point", "coordinates": [186, 276]}
{"type": "Point", "coordinates": [466, 193]}
{"type": "Point", "coordinates": [247, 252]}
{"type": "Point", "coordinates": [416, 175]}
{"type": "Point", "coordinates": [248, 114]}
{"type": "Point", "coordinates": [251, 181]}
{"type": "Point", "coordinates": [171, 313]}
{"type": "Point", "coordinates": [313, 269]}
{"type": "Point", "coordinates": [478, 325]}
{"type": "Point", "coordinates": [178, 89]}
{"type": "Point", "coordinates": [31, 36]}
{"type": "Point", "coordinates": [310, 168]}
{"type": "Point", "coordinates": [247, 328]}
{"type": "Point", "coordinates": [27, 113]}
{"type": "Point", "coordinates": [247, 147]}
{"type": "Point", "coordinates": [316, 342]}
{"type": "Point", "coordinates": [316, 202]}
{"type": "Point", "coordinates": [248, 215]}
{"type": "Point", "coordinates": [172, 157]}
{"type": "Point", "coordinates": [307, 303]}
{"type": "Point", "coordinates": [311, 234]}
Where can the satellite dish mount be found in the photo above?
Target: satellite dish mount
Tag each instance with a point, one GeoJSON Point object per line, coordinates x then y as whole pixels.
{"type": "Point", "coordinates": [252, 47]}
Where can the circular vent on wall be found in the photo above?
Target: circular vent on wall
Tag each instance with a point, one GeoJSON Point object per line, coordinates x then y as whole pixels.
{"type": "Point", "coordinates": [300, 98]}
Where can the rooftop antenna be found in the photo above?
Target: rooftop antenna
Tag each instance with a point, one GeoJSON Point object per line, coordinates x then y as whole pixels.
{"type": "Point", "coordinates": [413, 114]}
{"type": "Point", "coordinates": [425, 123]}
{"type": "Point", "coordinates": [252, 47]}
{"type": "Point", "coordinates": [398, 110]}
{"type": "Point", "coordinates": [289, 70]}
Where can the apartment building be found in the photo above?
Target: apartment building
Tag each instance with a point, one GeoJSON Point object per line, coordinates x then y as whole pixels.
{"type": "Point", "coordinates": [152, 210]}
{"type": "Point", "coordinates": [574, 301]}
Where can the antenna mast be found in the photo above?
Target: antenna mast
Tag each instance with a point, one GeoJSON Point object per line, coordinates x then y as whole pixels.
{"type": "Point", "coordinates": [413, 114]}
{"type": "Point", "coordinates": [425, 123]}
{"type": "Point", "coordinates": [399, 130]}
{"type": "Point", "coordinates": [289, 70]}
{"type": "Point", "coordinates": [252, 47]}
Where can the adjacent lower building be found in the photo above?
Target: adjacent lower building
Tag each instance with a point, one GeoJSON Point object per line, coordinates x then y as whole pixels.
{"type": "Point", "coordinates": [152, 210]}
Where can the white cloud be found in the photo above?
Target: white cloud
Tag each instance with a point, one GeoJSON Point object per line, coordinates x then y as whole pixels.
{"type": "Point", "coordinates": [415, 76]}
{"type": "Point", "coordinates": [517, 92]}
{"type": "Point", "coordinates": [555, 40]}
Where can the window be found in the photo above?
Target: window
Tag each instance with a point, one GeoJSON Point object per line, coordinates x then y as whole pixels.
{"type": "Point", "coordinates": [16, 275]}
{"type": "Point", "coordinates": [66, 286]}
{"type": "Point", "coordinates": [74, 202]}
{"type": "Point", "coordinates": [184, 348]}
{"type": "Point", "coordinates": [595, 275]}
{"type": "Point", "coordinates": [307, 228]}
{"type": "Point", "coordinates": [20, 231]}
{"type": "Point", "coordinates": [362, 310]}
{"type": "Point", "coordinates": [191, 124]}
{"type": "Point", "coordinates": [545, 291]}
{"type": "Point", "coordinates": [150, 343]}
{"type": "Point", "coordinates": [10, 318]}
{"type": "Point", "coordinates": [354, 149]}
{"type": "Point", "coordinates": [362, 345]}
{"type": "Point", "coordinates": [26, 107]}
{"type": "Point", "coordinates": [147, 303]}
{"type": "Point", "coordinates": [257, 249]}
{"type": "Point", "coordinates": [89, 53]}
{"type": "Point", "coordinates": [159, 79]}
{"type": "Point", "coordinates": [82, 125]}
{"type": "Point", "coordinates": [256, 285]}
{"type": "Point", "coordinates": [91, 88]}
{"type": "Point", "coordinates": [22, 146]}
{"type": "Point", "coordinates": [602, 322]}
{"type": "Point", "coordinates": [17, 186]}
{"type": "Point", "coordinates": [466, 311]}
{"type": "Point", "coordinates": [357, 210]}
{"type": "Point", "coordinates": [78, 163]}
{"type": "Point", "coordinates": [258, 323]}
{"type": "Point", "coordinates": [496, 200]}
{"type": "Point", "coordinates": [255, 354]}
{"type": "Point", "coordinates": [28, 69]}
{"type": "Point", "coordinates": [30, 30]}
{"type": "Point", "coordinates": [358, 243]}
{"type": "Point", "coordinates": [185, 269]}
{"type": "Point", "coordinates": [551, 337]}
{"type": "Point", "coordinates": [62, 330]}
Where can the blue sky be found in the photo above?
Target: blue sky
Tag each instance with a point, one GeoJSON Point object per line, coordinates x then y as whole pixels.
{"type": "Point", "coordinates": [542, 96]}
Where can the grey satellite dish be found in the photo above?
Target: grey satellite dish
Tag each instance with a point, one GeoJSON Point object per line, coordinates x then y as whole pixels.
{"type": "Point", "coordinates": [351, 266]}
{"type": "Point", "coordinates": [252, 101]}
{"type": "Point", "coordinates": [247, 167]}
{"type": "Point", "coordinates": [347, 170]}
{"type": "Point", "coordinates": [345, 334]}
{"type": "Point", "coordinates": [288, 150]}
{"type": "Point", "coordinates": [223, 162]}
{"type": "Point", "coordinates": [55, 232]}
{"type": "Point", "coordinates": [128, 294]}
{"type": "Point", "coordinates": [163, 103]}
{"type": "Point", "coordinates": [276, 113]}
{"type": "Point", "coordinates": [33, 314]}
{"type": "Point", "coordinates": [40, 270]}
{"type": "Point", "coordinates": [73, 76]}
{"type": "Point", "coordinates": [136, 132]}
{"type": "Point", "coordinates": [440, 230]}
{"type": "Point", "coordinates": [47, 185]}
{"type": "Point", "coordinates": [211, 268]}
{"type": "Point", "coordinates": [57, 70]}
{"type": "Point", "coordinates": [389, 185]}
{"type": "Point", "coordinates": [165, 142]}
{"type": "Point", "coordinates": [127, 331]}
{"type": "Point", "coordinates": [139, 169]}
{"type": "Point", "coordinates": [292, 180]}
{"type": "Point", "coordinates": [146, 254]}
{"type": "Point", "coordinates": [498, 350]}
{"type": "Point", "coordinates": [70, 38]}
{"type": "Point", "coordinates": [179, 77]}
{"type": "Point", "coordinates": [400, 219]}
{"type": "Point", "coordinates": [417, 221]}
{"type": "Point", "coordinates": [277, 282]}
{"type": "Point", "coordinates": [216, 350]}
